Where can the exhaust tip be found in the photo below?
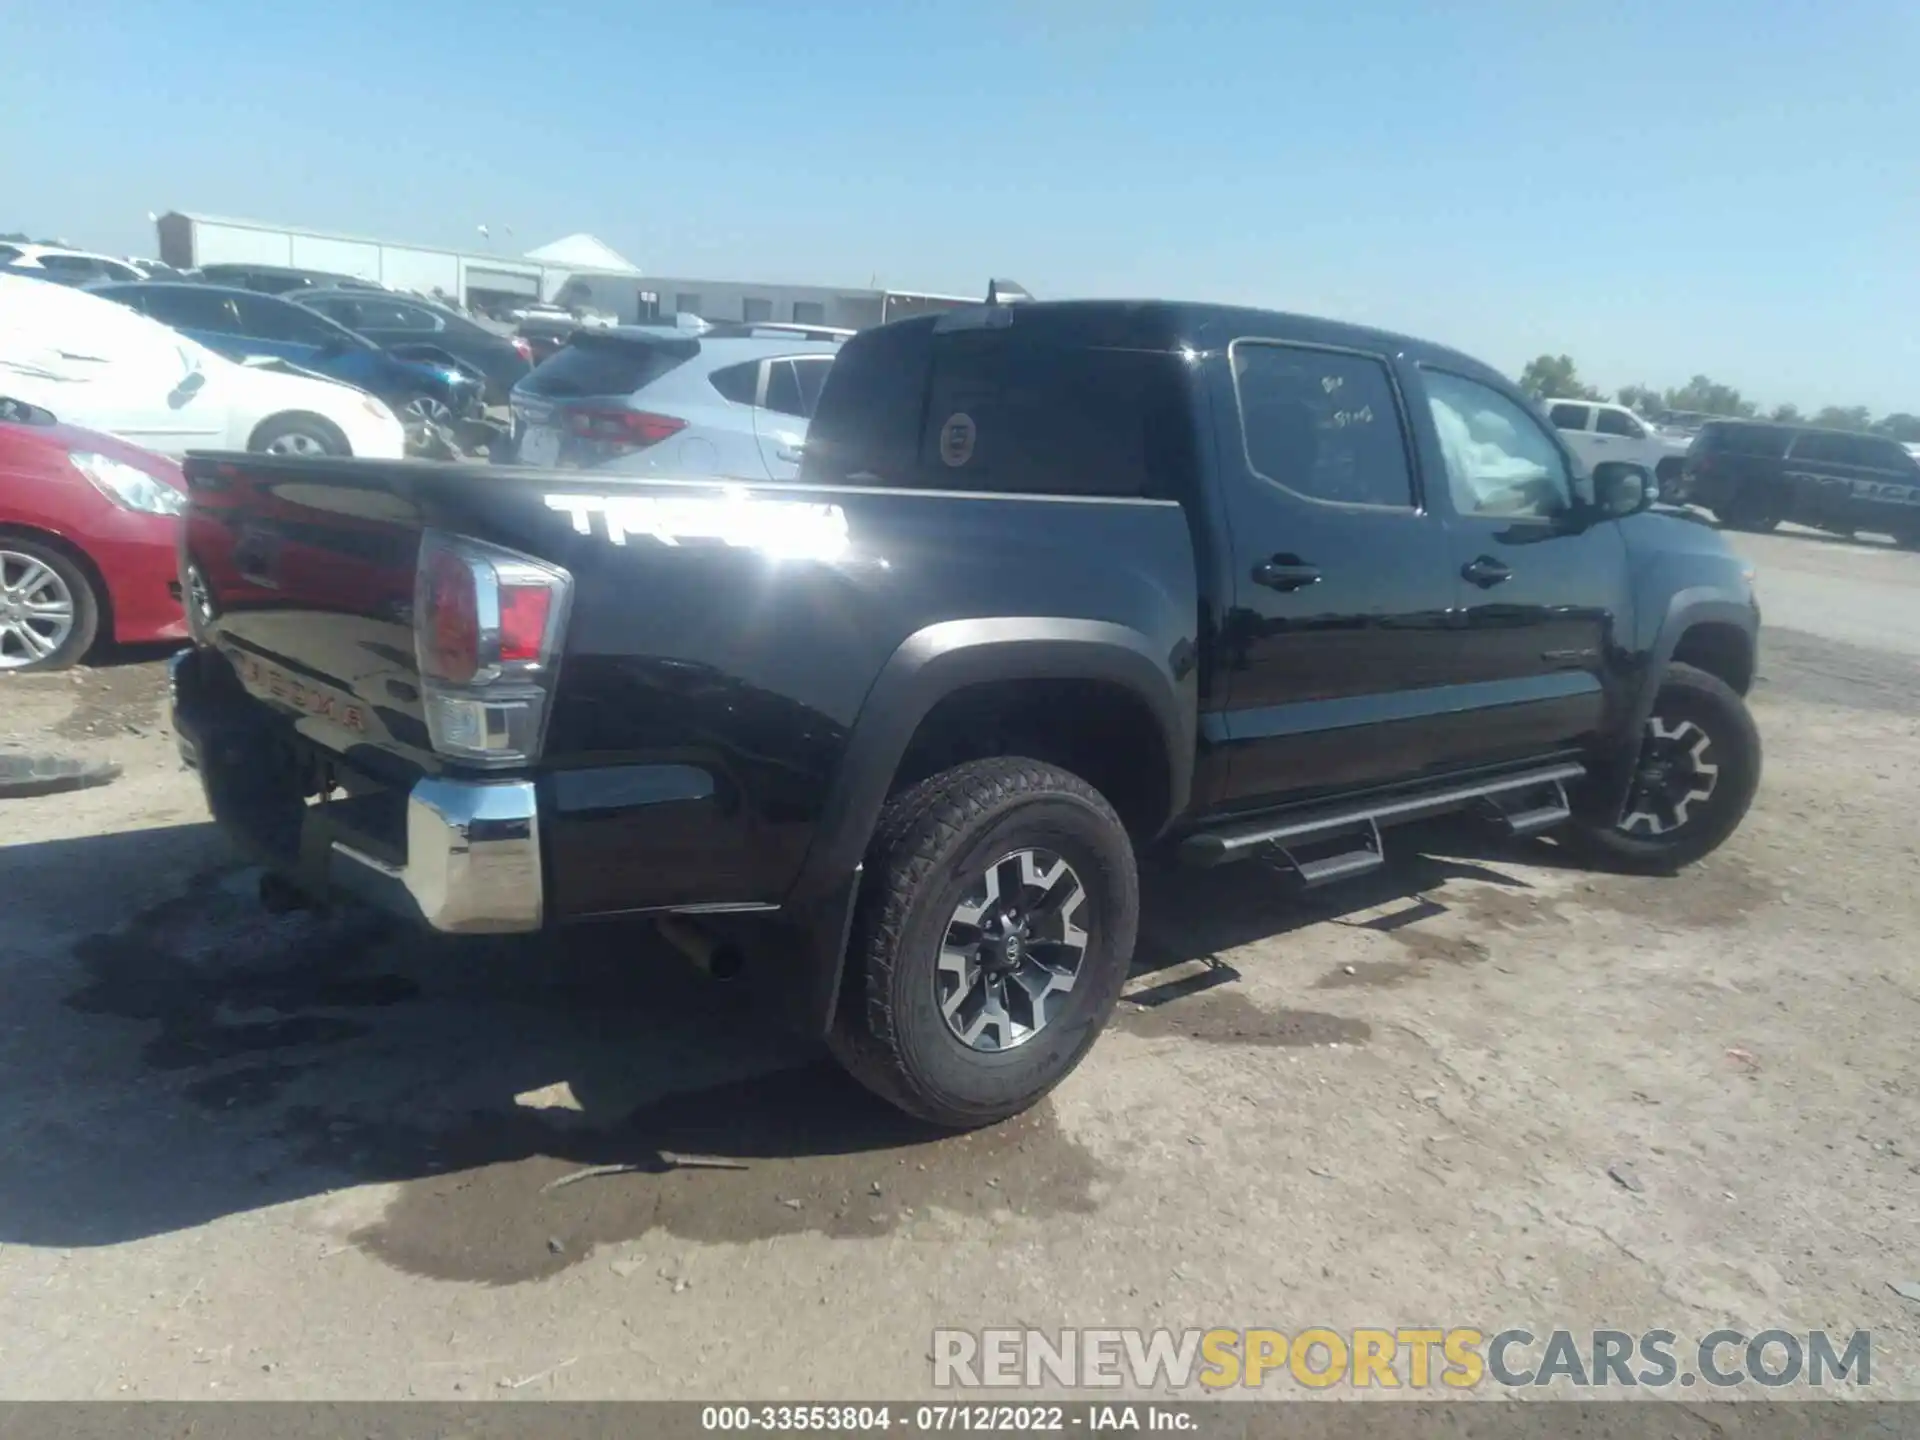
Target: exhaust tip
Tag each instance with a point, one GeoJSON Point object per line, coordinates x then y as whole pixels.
{"type": "Point", "coordinates": [715, 958]}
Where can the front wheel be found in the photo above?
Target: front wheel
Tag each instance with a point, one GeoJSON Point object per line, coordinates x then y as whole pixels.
{"type": "Point", "coordinates": [1693, 780]}
{"type": "Point", "coordinates": [993, 933]}
{"type": "Point", "coordinates": [304, 436]}
{"type": "Point", "coordinates": [48, 611]}
{"type": "Point", "coordinates": [1754, 508]}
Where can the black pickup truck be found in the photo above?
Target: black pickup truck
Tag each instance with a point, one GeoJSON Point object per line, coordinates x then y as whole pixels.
{"type": "Point", "coordinates": [1057, 582]}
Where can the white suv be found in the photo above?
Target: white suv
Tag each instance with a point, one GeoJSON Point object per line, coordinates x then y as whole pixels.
{"type": "Point", "coordinates": [660, 400]}
{"type": "Point", "coordinates": [1596, 430]}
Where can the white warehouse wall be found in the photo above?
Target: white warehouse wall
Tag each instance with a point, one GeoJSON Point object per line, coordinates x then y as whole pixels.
{"type": "Point", "coordinates": [342, 257]}
{"type": "Point", "coordinates": [216, 244]}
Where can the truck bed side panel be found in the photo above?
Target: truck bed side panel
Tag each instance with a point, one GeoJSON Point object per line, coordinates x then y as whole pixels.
{"type": "Point", "coordinates": [719, 650]}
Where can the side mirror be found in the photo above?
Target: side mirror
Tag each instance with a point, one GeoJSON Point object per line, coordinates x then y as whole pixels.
{"type": "Point", "coordinates": [1620, 489]}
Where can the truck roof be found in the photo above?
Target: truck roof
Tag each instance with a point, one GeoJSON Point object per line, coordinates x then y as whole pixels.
{"type": "Point", "coordinates": [1177, 324]}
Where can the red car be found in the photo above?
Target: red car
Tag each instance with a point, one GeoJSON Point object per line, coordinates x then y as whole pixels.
{"type": "Point", "coordinates": [88, 533]}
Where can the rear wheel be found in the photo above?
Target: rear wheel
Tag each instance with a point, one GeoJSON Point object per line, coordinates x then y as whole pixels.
{"type": "Point", "coordinates": [299, 435]}
{"type": "Point", "coordinates": [48, 611]}
{"type": "Point", "coordinates": [1752, 507]}
{"type": "Point", "coordinates": [994, 931]}
{"type": "Point", "coordinates": [1693, 780]}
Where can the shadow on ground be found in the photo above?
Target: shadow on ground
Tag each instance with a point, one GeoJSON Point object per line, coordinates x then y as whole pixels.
{"type": "Point", "coordinates": [190, 1057]}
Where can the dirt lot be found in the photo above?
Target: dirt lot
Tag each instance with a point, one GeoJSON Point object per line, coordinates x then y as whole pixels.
{"type": "Point", "coordinates": [247, 1156]}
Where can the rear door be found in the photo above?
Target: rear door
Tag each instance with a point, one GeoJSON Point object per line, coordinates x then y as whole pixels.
{"type": "Point", "coordinates": [791, 390]}
{"type": "Point", "coordinates": [1541, 577]}
{"type": "Point", "coordinates": [1854, 482]}
{"type": "Point", "coordinates": [1337, 649]}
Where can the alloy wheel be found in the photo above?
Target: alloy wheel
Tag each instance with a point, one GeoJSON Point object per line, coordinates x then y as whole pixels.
{"type": "Point", "coordinates": [36, 610]}
{"type": "Point", "coordinates": [296, 442]}
{"type": "Point", "coordinates": [1012, 951]}
{"type": "Point", "coordinates": [1677, 771]}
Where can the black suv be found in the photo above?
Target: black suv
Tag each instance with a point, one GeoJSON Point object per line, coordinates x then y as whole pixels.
{"type": "Point", "coordinates": [1753, 474]}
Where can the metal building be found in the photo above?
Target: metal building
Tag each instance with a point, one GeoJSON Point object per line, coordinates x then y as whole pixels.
{"type": "Point", "coordinates": [578, 271]}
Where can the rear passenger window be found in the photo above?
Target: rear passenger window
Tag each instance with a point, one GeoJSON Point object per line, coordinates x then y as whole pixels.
{"type": "Point", "coordinates": [739, 383]}
{"type": "Point", "coordinates": [1030, 417]}
{"type": "Point", "coordinates": [1322, 424]}
{"type": "Point", "coordinates": [783, 389]}
{"type": "Point", "coordinates": [1613, 422]}
{"type": "Point", "coordinates": [1568, 417]}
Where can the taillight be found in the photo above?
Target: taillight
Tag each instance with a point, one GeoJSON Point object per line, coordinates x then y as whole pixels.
{"type": "Point", "coordinates": [633, 429]}
{"type": "Point", "coordinates": [487, 625]}
{"type": "Point", "coordinates": [523, 349]}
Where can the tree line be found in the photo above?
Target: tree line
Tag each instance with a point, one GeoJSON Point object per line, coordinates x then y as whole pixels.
{"type": "Point", "coordinates": [1554, 377]}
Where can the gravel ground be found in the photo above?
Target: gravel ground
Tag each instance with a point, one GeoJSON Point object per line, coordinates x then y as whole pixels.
{"type": "Point", "coordinates": [287, 1157]}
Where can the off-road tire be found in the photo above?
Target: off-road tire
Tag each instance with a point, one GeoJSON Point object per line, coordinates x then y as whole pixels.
{"type": "Point", "coordinates": [930, 843]}
{"type": "Point", "coordinates": [1711, 704]}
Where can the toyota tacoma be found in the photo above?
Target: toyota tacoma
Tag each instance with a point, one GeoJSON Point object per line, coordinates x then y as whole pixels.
{"type": "Point", "coordinates": [1056, 583]}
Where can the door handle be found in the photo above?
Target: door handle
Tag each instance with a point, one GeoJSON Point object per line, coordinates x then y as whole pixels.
{"type": "Point", "coordinates": [1485, 571]}
{"type": "Point", "coordinates": [1285, 572]}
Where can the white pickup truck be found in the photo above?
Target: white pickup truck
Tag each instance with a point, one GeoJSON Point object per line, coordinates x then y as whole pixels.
{"type": "Point", "coordinates": [1596, 430]}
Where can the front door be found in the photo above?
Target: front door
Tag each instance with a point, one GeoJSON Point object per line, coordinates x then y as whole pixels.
{"type": "Point", "coordinates": [1574, 421]}
{"type": "Point", "coordinates": [1542, 577]}
{"type": "Point", "coordinates": [1335, 652]}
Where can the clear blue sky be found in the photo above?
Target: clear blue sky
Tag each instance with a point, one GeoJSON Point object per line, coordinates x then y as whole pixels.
{"type": "Point", "coordinates": [1656, 190]}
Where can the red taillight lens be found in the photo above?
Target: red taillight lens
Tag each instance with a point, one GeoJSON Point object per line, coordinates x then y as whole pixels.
{"type": "Point", "coordinates": [525, 350]}
{"type": "Point", "coordinates": [523, 622]}
{"type": "Point", "coordinates": [634, 429]}
{"type": "Point", "coordinates": [450, 629]}
{"type": "Point", "coordinates": [487, 624]}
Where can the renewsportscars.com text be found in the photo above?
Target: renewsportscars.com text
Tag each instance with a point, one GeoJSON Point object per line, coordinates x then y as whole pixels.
{"type": "Point", "coordinates": [1458, 1358]}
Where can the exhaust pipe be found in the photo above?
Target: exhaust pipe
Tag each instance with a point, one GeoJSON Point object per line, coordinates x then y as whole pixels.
{"type": "Point", "coordinates": [280, 896]}
{"type": "Point", "coordinates": [713, 957]}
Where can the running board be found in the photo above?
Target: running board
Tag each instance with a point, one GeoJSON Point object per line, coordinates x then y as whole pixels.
{"type": "Point", "coordinates": [1341, 857]}
{"type": "Point", "coordinates": [1531, 814]}
{"type": "Point", "coordinates": [1234, 842]}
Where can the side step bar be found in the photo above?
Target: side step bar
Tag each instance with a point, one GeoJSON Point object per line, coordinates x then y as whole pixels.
{"type": "Point", "coordinates": [1234, 842]}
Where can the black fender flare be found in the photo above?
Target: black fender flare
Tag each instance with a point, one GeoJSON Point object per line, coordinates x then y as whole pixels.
{"type": "Point", "coordinates": [933, 663]}
{"type": "Point", "coordinates": [928, 666]}
{"type": "Point", "coordinates": [1696, 605]}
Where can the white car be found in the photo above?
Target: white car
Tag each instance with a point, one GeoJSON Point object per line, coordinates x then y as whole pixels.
{"type": "Point", "coordinates": [66, 267]}
{"type": "Point", "coordinates": [654, 400]}
{"type": "Point", "coordinates": [107, 367]}
{"type": "Point", "coordinates": [1595, 430]}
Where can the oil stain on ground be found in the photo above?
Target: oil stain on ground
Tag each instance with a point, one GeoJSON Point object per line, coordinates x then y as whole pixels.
{"type": "Point", "coordinates": [1226, 1017]}
{"type": "Point", "coordinates": [223, 981]}
{"type": "Point", "coordinates": [114, 700]}
{"type": "Point", "coordinates": [798, 1151]}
